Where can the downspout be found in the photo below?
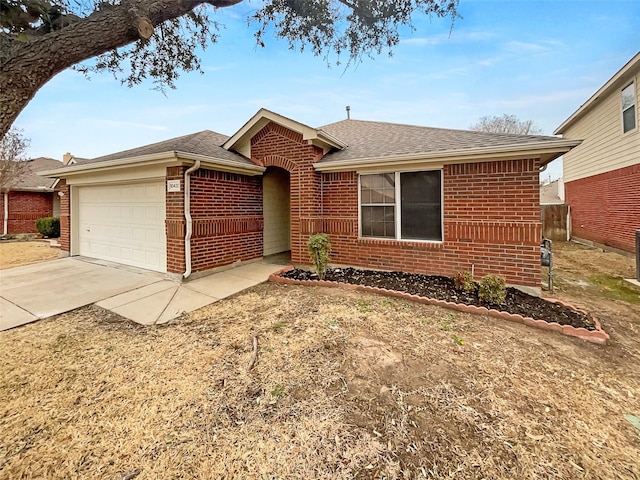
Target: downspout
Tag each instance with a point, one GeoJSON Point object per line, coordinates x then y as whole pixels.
{"type": "Point", "coordinates": [187, 216]}
{"type": "Point", "coordinates": [5, 222]}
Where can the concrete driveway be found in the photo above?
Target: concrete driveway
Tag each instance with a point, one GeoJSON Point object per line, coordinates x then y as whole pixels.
{"type": "Point", "coordinates": [42, 290]}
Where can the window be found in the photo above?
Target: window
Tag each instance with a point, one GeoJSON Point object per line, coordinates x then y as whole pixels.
{"type": "Point", "coordinates": [628, 108]}
{"type": "Point", "coordinates": [402, 205]}
{"type": "Point", "coordinates": [377, 200]}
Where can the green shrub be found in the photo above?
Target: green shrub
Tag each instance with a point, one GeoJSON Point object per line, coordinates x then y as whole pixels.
{"type": "Point", "coordinates": [319, 247]}
{"type": "Point", "coordinates": [492, 289]}
{"type": "Point", "coordinates": [463, 281]}
{"type": "Point", "coordinates": [48, 227]}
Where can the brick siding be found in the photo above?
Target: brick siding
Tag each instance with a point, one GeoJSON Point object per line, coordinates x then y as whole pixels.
{"type": "Point", "coordinates": [491, 215]}
{"type": "Point", "coordinates": [605, 208]}
{"type": "Point", "coordinates": [277, 146]}
{"type": "Point", "coordinates": [24, 209]}
{"type": "Point", "coordinates": [65, 215]}
{"type": "Point", "coordinates": [491, 221]}
{"type": "Point", "coordinates": [226, 210]}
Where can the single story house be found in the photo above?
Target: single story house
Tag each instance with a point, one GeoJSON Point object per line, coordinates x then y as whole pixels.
{"type": "Point", "coordinates": [602, 175]}
{"type": "Point", "coordinates": [29, 197]}
{"type": "Point", "coordinates": [392, 197]}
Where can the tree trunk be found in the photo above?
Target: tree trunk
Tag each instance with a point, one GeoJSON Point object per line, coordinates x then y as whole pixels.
{"type": "Point", "coordinates": [26, 65]}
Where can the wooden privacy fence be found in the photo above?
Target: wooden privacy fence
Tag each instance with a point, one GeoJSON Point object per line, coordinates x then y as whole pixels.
{"type": "Point", "coordinates": [555, 221]}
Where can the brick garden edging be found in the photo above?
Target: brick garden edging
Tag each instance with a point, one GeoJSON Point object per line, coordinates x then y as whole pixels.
{"type": "Point", "coordinates": [598, 335]}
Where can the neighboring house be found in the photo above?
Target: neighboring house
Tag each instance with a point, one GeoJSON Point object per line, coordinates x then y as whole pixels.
{"type": "Point", "coordinates": [552, 193]}
{"type": "Point", "coordinates": [602, 176]}
{"type": "Point", "coordinates": [394, 197]}
{"type": "Point", "coordinates": [553, 212]}
{"type": "Point", "coordinates": [30, 197]}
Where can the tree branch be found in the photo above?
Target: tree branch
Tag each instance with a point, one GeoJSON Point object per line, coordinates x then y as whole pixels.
{"type": "Point", "coordinates": [25, 66]}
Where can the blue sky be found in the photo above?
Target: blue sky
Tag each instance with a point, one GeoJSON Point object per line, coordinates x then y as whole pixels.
{"type": "Point", "coordinates": [538, 60]}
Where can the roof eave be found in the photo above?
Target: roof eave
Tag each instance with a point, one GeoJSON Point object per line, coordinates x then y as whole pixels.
{"type": "Point", "coordinates": [168, 158]}
{"type": "Point", "coordinates": [541, 150]}
{"type": "Point", "coordinates": [223, 165]}
{"type": "Point", "coordinates": [602, 91]}
{"type": "Point", "coordinates": [31, 189]}
{"type": "Point", "coordinates": [79, 169]}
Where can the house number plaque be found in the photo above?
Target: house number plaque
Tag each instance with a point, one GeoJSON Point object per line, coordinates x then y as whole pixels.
{"type": "Point", "coordinates": [173, 185]}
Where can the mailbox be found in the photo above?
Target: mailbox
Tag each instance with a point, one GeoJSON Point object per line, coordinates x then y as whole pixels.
{"type": "Point", "coordinates": [545, 257]}
{"type": "Point", "coordinates": [545, 253]}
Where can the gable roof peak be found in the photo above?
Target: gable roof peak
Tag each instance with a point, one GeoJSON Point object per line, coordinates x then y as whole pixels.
{"type": "Point", "coordinates": [241, 140]}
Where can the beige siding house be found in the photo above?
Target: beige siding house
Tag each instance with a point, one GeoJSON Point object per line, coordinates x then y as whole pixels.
{"type": "Point", "coordinates": [602, 175]}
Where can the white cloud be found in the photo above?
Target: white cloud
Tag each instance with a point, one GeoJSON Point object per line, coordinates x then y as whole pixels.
{"type": "Point", "coordinates": [526, 47]}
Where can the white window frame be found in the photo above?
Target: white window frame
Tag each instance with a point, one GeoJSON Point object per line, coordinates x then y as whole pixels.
{"type": "Point", "coordinates": [397, 207]}
{"type": "Point", "coordinates": [634, 105]}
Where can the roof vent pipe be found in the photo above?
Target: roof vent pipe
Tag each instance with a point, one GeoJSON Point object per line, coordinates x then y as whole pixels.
{"type": "Point", "coordinates": [348, 112]}
{"type": "Point", "coordinates": [188, 219]}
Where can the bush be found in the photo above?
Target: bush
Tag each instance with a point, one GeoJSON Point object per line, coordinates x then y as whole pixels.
{"type": "Point", "coordinates": [493, 289]}
{"type": "Point", "coordinates": [463, 281]}
{"type": "Point", "coordinates": [319, 247]}
{"type": "Point", "coordinates": [48, 227]}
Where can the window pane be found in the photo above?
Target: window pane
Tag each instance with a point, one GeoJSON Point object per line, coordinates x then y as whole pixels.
{"type": "Point", "coordinates": [365, 181]}
{"type": "Point", "coordinates": [389, 180]}
{"type": "Point", "coordinates": [376, 181]}
{"type": "Point", "coordinates": [365, 196]}
{"type": "Point", "coordinates": [629, 119]}
{"type": "Point", "coordinates": [376, 195]}
{"type": "Point", "coordinates": [378, 222]}
{"type": "Point", "coordinates": [377, 189]}
{"type": "Point", "coordinates": [420, 205]}
{"type": "Point", "coordinates": [628, 96]}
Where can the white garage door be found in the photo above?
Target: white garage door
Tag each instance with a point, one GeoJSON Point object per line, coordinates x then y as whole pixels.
{"type": "Point", "coordinates": [124, 224]}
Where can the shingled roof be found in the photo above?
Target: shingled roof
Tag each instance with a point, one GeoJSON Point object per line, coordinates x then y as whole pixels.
{"type": "Point", "coordinates": [367, 139]}
{"type": "Point", "coordinates": [348, 143]}
{"type": "Point", "coordinates": [206, 143]}
{"type": "Point", "coordinates": [30, 180]}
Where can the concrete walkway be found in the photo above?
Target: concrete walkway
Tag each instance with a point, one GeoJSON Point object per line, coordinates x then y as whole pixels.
{"type": "Point", "coordinates": [45, 289]}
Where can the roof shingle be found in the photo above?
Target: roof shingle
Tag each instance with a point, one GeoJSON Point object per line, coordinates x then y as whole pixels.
{"type": "Point", "coordinates": [206, 143]}
{"type": "Point", "coordinates": [31, 180]}
{"type": "Point", "coordinates": [368, 139]}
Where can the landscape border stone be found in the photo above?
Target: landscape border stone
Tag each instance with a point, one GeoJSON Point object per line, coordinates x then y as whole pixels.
{"type": "Point", "coordinates": [598, 336]}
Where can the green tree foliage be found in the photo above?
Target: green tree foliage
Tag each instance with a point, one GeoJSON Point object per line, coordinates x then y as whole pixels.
{"type": "Point", "coordinates": [157, 39]}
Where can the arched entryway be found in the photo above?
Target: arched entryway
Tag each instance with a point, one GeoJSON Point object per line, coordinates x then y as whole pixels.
{"type": "Point", "coordinates": [276, 211]}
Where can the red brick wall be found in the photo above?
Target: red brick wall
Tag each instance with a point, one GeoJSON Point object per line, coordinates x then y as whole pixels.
{"type": "Point", "coordinates": [491, 221]}
{"type": "Point", "coordinates": [226, 210]}
{"type": "Point", "coordinates": [277, 146]}
{"type": "Point", "coordinates": [491, 215]}
{"type": "Point", "coordinates": [65, 215]}
{"type": "Point", "coordinates": [605, 208]}
{"type": "Point", "coordinates": [24, 209]}
{"type": "Point", "coordinates": [175, 222]}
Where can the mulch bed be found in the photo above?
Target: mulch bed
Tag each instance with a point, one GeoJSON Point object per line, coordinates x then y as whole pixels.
{"type": "Point", "coordinates": [442, 288]}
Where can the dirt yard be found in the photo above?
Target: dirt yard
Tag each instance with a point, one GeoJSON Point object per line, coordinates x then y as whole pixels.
{"type": "Point", "coordinates": [346, 385]}
{"type": "Point", "coordinates": [14, 254]}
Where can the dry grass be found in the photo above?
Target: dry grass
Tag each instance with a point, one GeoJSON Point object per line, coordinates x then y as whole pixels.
{"type": "Point", "coordinates": [14, 254]}
{"type": "Point", "coordinates": [346, 385]}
